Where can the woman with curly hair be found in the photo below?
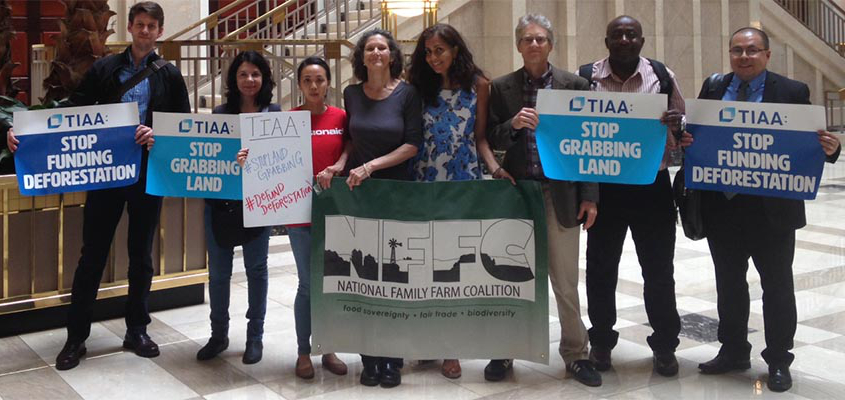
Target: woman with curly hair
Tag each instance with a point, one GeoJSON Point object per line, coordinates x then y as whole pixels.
{"type": "Point", "coordinates": [384, 132]}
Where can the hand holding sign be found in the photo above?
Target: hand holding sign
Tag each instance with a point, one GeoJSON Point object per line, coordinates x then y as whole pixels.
{"type": "Point", "coordinates": [829, 141]}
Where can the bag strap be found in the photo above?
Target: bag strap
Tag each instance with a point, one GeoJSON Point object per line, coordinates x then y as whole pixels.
{"type": "Point", "coordinates": [152, 68]}
{"type": "Point", "coordinates": [586, 72]}
{"type": "Point", "coordinates": [663, 76]}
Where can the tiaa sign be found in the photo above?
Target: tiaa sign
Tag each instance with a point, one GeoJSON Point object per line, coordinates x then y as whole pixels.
{"type": "Point", "coordinates": [762, 149]}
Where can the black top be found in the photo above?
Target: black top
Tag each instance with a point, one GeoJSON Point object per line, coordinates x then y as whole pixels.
{"type": "Point", "coordinates": [101, 83]}
{"type": "Point", "coordinates": [377, 127]}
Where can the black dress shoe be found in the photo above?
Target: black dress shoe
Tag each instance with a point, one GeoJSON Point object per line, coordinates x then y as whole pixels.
{"type": "Point", "coordinates": [253, 352]}
{"type": "Point", "coordinates": [391, 375]}
{"type": "Point", "coordinates": [141, 344]}
{"type": "Point", "coordinates": [70, 355]}
{"type": "Point", "coordinates": [211, 349]}
{"type": "Point", "coordinates": [497, 369]}
{"type": "Point", "coordinates": [585, 372]}
{"type": "Point", "coordinates": [722, 364]}
{"type": "Point", "coordinates": [666, 364]}
{"type": "Point", "coordinates": [370, 375]}
{"type": "Point", "coordinates": [600, 356]}
{"type": "Point", "coordinates": [780, 380]}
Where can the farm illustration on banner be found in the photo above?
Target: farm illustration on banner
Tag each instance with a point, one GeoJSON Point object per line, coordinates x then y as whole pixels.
{"type": "Point", "coordinates": [429, 259]}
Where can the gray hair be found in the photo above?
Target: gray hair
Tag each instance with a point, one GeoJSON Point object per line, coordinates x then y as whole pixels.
{"type": "Point", "coordinates": [536, 19]}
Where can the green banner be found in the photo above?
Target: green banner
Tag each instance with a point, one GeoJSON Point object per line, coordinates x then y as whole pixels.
{"type": "Point", "coordinates": [430, 270]}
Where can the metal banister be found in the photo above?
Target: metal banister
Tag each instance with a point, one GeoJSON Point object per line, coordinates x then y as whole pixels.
{"type": "Point", "coordinates": [211, 17]}
{"type": "Point", "coordinates": [269, 14]}
{"type": "Point", "coordinates": [823, 17]}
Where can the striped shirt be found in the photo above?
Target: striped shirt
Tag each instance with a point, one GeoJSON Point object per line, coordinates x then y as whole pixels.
{"type": "Point", "coordinates": [529, 99]}
{"type": "Point", "coordinates": [644, 80]}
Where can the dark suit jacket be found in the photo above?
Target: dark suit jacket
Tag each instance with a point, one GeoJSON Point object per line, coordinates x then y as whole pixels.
{"type": "Point", "coordinates": [506, 99]}
{"type": "Point", "coordinates": [780, 213]}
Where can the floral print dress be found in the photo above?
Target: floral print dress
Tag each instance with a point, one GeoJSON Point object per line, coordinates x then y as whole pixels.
{"type": "Point", "coordinates": [448, 152]}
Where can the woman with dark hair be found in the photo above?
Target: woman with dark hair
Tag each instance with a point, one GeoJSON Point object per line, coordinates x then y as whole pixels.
{"type": "Point", "coordinates": [250, 89]}
{"type": "Point", "coordinates": [455, 94]}
{"type": "Point", "coordinates": [385, 131]}
{"type": "Point", "coordinates": [327, 126]}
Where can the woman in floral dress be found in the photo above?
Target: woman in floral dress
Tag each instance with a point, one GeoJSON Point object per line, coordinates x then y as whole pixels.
{"type": "Point", "coordinates": [455, 93]}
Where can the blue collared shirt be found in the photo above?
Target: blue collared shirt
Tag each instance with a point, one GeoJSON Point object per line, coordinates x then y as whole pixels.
{"type": "Point", "coordinates": [756, 86]}
{"type": "Point", "coordinates": [141, 92]}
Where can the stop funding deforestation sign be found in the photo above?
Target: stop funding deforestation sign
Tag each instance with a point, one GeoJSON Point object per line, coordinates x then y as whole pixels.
{"type": "Point", "coordinates": [77, 148]}
{"type": "Point", "coordinates": [763, 149]}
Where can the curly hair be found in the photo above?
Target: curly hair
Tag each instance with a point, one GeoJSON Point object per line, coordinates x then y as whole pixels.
{"type": "Point", "coordinates": [396, 63]}
{"type": "Point", "coordinates": [265, 94]}
{"type": "Point", "coordinates": [462, 70]}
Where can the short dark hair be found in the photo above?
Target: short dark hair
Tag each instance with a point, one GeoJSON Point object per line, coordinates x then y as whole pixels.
{"type": "Point", "coordinates": [265, 94]}
{"type": "Point", "coordinates": [752, 29]}
{"type": "Point", "coordinates": [396, 58]}
{"type": "Point", "coordinates": [150, 8]}
{"type": "Point", "coordinates": [313, 61]}
{"type": "Point", "coordinates": [463, 70]}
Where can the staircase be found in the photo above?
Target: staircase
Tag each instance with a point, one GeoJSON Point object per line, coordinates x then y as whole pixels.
{"type": "Point", "coordinates": [285, 31]}
{"type": "Point", "coordinates": [818, 21]}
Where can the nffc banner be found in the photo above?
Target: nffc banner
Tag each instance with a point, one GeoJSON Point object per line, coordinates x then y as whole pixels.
{"type": "Point", "coordinates": [77, 148]}
{"type": "Point", "coordinates": [277, 175]}
{"type": "Point", "coordinates": [601, 136]}
{"type": "Point", "coordinates": [755, 148]}
{"type": "Point", "coordinates": [393, 275]}
{"type": "Point", "coordinates": [194, 156]}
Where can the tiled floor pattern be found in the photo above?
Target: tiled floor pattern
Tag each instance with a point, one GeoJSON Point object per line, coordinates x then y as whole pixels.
{"type": "Point", "coordinates": [819, 369]}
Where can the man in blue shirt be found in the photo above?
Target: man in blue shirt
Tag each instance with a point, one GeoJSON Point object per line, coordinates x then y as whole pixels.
{"type": "Point", "coordinates": [740, 226]}
{"type": "Point", "coordinates": [164, 90]}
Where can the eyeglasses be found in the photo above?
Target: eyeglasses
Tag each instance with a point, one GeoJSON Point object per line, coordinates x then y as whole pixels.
{"type": "Point", "coordinates": [750, 52]}
{"type": "Point", "coordinates": [540, 40]}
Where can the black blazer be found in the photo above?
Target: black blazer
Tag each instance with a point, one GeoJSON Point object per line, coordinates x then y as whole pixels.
{"type": "Point", "coordinates": [101, 83]}
{"type": "Point", "coordinates": [780, 213]}
{"type": "Point", "coordinates": [505, 101]}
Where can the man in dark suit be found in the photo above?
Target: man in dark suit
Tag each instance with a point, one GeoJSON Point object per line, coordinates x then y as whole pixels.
{"type": "Point", "coordinates": [739, 226]}
{"type": "Point", "coordinates": [512, 121]}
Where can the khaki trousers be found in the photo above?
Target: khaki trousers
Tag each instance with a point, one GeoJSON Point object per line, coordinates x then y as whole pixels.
{"type": "Point", "coordinates": [563, 272]}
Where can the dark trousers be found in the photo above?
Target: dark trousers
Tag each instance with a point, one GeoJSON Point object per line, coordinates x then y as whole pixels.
{"type": "Point", "coordinates": [649, 211]}
{"type": "Point", "coordinates": [736, 230]}
{"type": "Point", "coordinates": [103, 209]}
{"type": "Point", "coordinates": [380, 361]}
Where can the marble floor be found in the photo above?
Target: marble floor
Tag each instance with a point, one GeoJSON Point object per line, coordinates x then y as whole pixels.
{"type": "Point", "coordinates": [108, 372]}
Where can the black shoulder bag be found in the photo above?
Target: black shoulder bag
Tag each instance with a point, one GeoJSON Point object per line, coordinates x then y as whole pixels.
{"type": "Point", "coordinates": [139, 77]}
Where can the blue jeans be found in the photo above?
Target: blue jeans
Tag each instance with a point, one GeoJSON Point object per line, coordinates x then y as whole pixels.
{"type": "Point", "coordinates": [219, 277]}
{"type": "Point", "coordinates": [300, 243]}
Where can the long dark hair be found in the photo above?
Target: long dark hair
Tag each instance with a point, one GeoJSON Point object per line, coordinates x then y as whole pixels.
{"type": "Point", "coordinates": [265, 94]}
{"type": "Point", "coordinates": [396, 59]}
{"type": "Point", "coordinates": [463, 70]}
